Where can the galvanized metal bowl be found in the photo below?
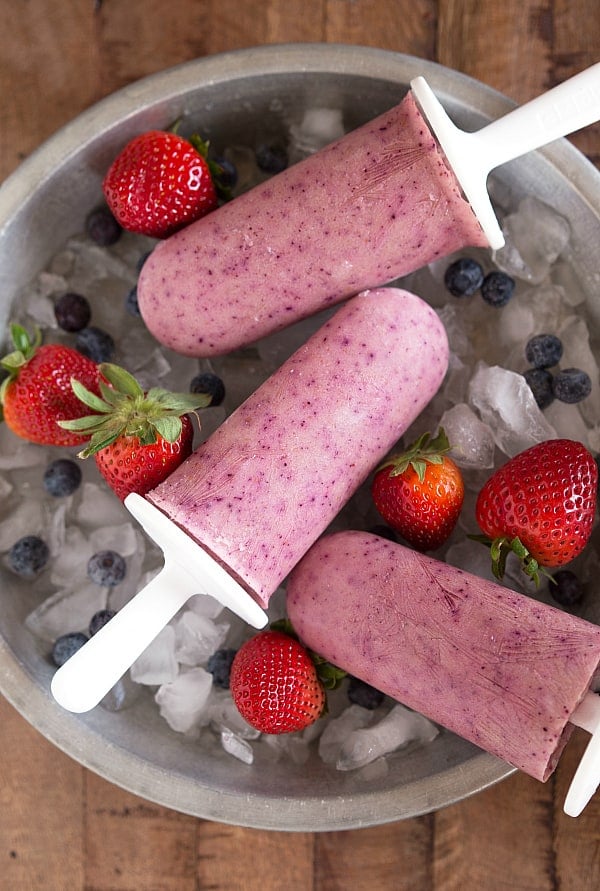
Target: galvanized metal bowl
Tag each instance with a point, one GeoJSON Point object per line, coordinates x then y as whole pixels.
{"type": "Point", "coordinates": [234, 97]}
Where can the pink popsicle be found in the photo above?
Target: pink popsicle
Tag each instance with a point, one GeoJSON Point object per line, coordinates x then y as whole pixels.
{"type": "Point", "coordinates": [372, 206]}
{"type": "Point", "coordinates": [494, 666]}
{"type": "Point", "coordinates": [265, 485]}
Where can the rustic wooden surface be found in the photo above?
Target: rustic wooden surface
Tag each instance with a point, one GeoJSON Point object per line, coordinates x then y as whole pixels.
{"type": "Point", "coordinates": [62, 827]}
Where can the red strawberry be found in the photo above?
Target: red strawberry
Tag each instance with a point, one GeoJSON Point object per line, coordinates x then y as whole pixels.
{"type": "Point", "coordinates": [159, 183]}
{"type": "Point", "coordinates": [274, 684]}
{"type": "Point", "coordinates": [420, 493]}
{"type": "Point", "coordinates": [540, 505]}
{"type": "Point", "coordinates": [37, 392]}
{"type": "Point", "coordinates": [137, 438]}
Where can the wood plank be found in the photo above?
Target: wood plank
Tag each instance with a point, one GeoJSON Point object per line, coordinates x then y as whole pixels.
{"type": "Point", "coordinates": [500, 840]}
{"type": "Point", "coordinates": [44, 87]}
{"type": "Point", "coordinates": [403, 27]}
{"type": "Point", "coordinates": [253, 860]}
{"type": "Point", "coordinates": [490, 41]}
{"type": "Point", "coordinates": [576, 840]}
{"type": "Point", "coordinates": [135, 845]}
{"type": "Point", "coordinates": [42, 810]}
{"type": "Point", "coordinates": [396, 855]}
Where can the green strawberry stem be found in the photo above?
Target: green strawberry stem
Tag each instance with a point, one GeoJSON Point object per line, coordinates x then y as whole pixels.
{"type": "Point", "coordinates": [423, 451]}
{"type": "Point", "coordinates": [501, 547]}
{"type": "Point", "coordinates": [330, 675]}
{"type": "Point", "coordinates": [124, 409]}
{"type": "Point", "coordinates": [24, 348]}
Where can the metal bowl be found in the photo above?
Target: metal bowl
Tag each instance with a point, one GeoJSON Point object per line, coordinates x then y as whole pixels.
{"type": "Point", "coordinates": [236, 97]}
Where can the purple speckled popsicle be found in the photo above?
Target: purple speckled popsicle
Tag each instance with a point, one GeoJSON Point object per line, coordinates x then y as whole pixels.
{"type": "Point", "coordinates": [370, 207]}
{"type": "Point", "coordinates": [272, 477]}
{"type": "Point", "coordinates": [496, 667]}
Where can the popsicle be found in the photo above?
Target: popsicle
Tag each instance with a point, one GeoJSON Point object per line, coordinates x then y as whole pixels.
{"type": "Point", "coordinates": [238, 514]}
{"type": "Point", "coordinates": [506, 672]}
{"type": "Point", "coordinates": [372, 206]}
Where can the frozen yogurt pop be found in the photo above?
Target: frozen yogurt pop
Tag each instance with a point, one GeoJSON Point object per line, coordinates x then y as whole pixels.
{"type": "Point", "coordinates": [377, 204]}
{"type": "Point", "coordinates": [500, 669]}
{"type": "Point", "coordinates": [241, 511]}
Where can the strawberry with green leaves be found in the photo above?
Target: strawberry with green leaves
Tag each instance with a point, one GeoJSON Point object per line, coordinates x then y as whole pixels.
{"type": "Point", "coordinates": [137, 438]}
{"type": "Point", "coordinates": [36, 393]}
{"type": "Point", "coordinates": [420, 492]}
{"type": "Point", "coordinates": [160, 182]}
{"type": "Point", "coordinates": [275, 683]}
{"type": "Point", "coordinates": [540, 505]}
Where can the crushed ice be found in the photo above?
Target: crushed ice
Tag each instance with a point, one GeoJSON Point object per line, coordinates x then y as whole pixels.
{"type": "Point", "coordinates": [487, 410]}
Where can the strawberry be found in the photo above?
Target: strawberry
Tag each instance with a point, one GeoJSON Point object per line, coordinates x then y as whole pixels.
{"type": "Point", "coordinates": [37, 392]}
{"type": "Point", "coordinates": [159, 183]}
{"type": "Point", "coordinates": [540, 505]}
{"type": "Point", "coordinates": [137, 439]}
{"type": "Point", "coordinates": [275, 685]}
{"type": "Point", "coordinates": [420, 492]}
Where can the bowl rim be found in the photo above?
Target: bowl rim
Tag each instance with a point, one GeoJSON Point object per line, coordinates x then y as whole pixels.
{"type": "Point", "coordinates": [35, 704]}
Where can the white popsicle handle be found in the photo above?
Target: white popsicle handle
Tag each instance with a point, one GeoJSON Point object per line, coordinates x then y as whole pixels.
{"type": "Point", "coordinates": [564, 109]}
{"type": "Point", "coordinates": [92, 671]}
{"type": "Point", "coordinates": [587, 776]}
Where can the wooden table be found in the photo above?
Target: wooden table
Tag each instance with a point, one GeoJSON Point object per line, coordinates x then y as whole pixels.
{"type": "Point", "coordinates": [61, 827]}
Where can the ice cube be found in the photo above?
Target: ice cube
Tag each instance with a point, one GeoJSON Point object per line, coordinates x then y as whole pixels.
{"type": "Point", "coordinates": [506, 404]}
{"type": "Point", "coordinates": [471, 440]}
{"type": "Point", "coordinates": [6, 487]}
{"type": "Point", "coordinates": [157, 664]}
{"type": "Point", "coordinates": [536, 235]}
{"type": "Point", "coordinates": [182, 701]}
{"type": "Point", "coordinates": [223, 713]}
{"type": "Point", "coordinates": [291, 745]}
{"type": "Point", "coordinates": [71, 562]}
{"type": "Point", "coordinates": [99, 506]}
{"type": "Point", "coordinates": [28, 517]}
{"type": "Point", "coordinates": [332, 739]}
{"type": "Point", "coordinates": [124, 694]}
{"type": "Point", "coordinates": [69, 609]}
{"type": "Point", "coordinates": [398, 728]}
{"type": "Point", "coordinates": [318, 128]}
{"type": "Point", "coordinates": [577, 353]}
{"type": "Point", "coordinates": [205, 605]}
{"type": "Point", "coordinates": [197, 638]}
{"type": "Point", "coordinates": [236, 746]}
{"type": "Point", "coordinates": [16, 452]}
{"type": "Point", "coordinates": [121, 538]}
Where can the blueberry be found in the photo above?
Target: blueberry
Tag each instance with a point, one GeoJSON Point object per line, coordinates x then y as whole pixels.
{"type": "Point", "coordinates": [540, 383]}
{"type": "Point", "coordinates": [363, 694]}
{"type": "Point", "coordinates": [62, 477]}
{"type": "Point", "coordinates": [102, 227]}
{"type": "Point", "coordinates": [463, 277]}
{"type": "Point", "coordinates": [567, 590]}
{"type": "Point", "coordinates": [72, 311]}
{"type": "Point", "coordinates": [497, 288]}
{"type": "Point", "coordinates": [66, 646]}
{"type": "Point", "coordinates": [543, 350]}
{"type": "Point", "coordinates": [131, 303]}
{"type": "Point", "coordinates": [226, 174]}
{"type": "Point", "coordinates": [99, 620]}
{"type": "Point", "coordinates": [96, 344]}
{"type": "Point", "coordinates": [106, 568]}
{"type": "Point", "coordinates": [219, 665]}
{"type": "Point", "coordinates": [272, 158]}
{"type": "Point", "coordinates": [28, 556]}
{"type": "Point", "coordinates": [209, 383]}
{"type": "Point", "coordinates": [571, 385]}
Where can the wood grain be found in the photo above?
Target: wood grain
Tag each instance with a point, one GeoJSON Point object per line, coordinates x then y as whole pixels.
{"type": "Point", "coordinates": [61, 826]}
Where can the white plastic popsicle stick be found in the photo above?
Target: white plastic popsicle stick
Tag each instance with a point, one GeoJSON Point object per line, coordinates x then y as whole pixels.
{"type": "Point", "coordinates": [564, 109]}
{"type": "Point", "coordinates": [587, 776]}
{"type": "Point", "coordinates": [92, 671]}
